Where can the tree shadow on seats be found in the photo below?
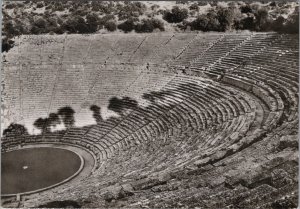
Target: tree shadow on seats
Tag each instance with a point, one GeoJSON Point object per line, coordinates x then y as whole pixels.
{"type": "Point", "coordinates": [61, 204]}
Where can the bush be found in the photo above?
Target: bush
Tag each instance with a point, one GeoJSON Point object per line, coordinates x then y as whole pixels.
{"type": "Point", "coordinates": [131, 9]}
{"type": "Point", "coordinates": [10, 6]}
{"type": "Point", "coordinates": [148, 25]}
{"type": "Point", "coordinates": [225, 17]}
{"type": "Point", "coordinates": [246, 9]}
{"type": "Point", "coordinates": [92, 21]}
{"type": "Point", "coordinates": [158, 24]}
{"type": "Point", "coordinates": [176, 15]}
{"type": "Point", "coordinates": [7, 44]}
{"type": "Point", "coordinates": [262, 20]}
{"type": "Point", "coordinates": [145, 27]}
{"type": "Point", "coordinates": [246, 24]}
{"type": "Point", "coordinates": [194, 7]}
{"type": "Point", "coordinates": [128, 25]}
{"type": "Point", "coordinates": [207, 22]}
{"type": "Point", "coordinates": [110, 25]}
{"type": "Point", "coordinates": [39, 5]}
{"type": "Point", "coordinates": [292, 25]}
{"type": "Point", "coordinates": [39, 26]}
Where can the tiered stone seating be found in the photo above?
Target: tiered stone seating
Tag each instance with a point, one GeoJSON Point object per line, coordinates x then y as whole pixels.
{"type": "Point", "coordinates": [220, 134]}
{"type": "Point", "coordinates": [198, 44]}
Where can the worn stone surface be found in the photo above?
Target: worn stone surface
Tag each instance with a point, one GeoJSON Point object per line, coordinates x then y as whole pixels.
{"type": "Point", "coordinates": [176, 140]}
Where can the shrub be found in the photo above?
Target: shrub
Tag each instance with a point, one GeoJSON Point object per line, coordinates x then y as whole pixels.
{"type": "Point", "coordinates": [7, 44]}
{"type": "Point", "coordinates": [110, 25]}
{"type": "Point", "coordinates": [39, 26]}
{"type": "Point", "coordinates": [194, 7]}
{"type": "Point", "coordinates": [246, 24]}
{"type": "Point", "coordinates": [92, 21]}
{"type": "Point", "coordinates": [39, 5]}
{"type": "Point", "coordinates": [158, 24]}
{"type": "Point", "coordinates": [144, 27]}
{"type": "Point", "coordinates": [148, 25]}
{"type": "Point", "coordinates": [292, 25]}
{"type": "Point", "coordinates": [262, 20]}
{"type": "Point", "coordinates": [207, 22]}
{"type": "Point", "coordinates": [246, 9]}
{"type": "Point", "coordinates": [10, 6]}
{"type": "Point", "coordinates": [176, 15]}
{"type": "Point", "coordinates": [225, 17]}
{"type": "Point", "coordinates": [131, 9]}
{"type": "Point", "coordinates": [128, 25]}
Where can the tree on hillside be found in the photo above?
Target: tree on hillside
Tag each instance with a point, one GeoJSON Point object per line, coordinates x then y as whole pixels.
{"type": "Point", "coordinates": [15, 129]}
{"type": "Point", "coordinates": [128, 25]}
{"type": "Point", "coordinates": [208, 22]}
{"type": "Point", "coordinates": [110, 25]}
{"type": "Point", "coordinates": [225, 18]}
{"type": "Point", "coordinates": [67, 115]}
{"type": "Point", "coordinates": [39, 26]}
{"type": "Point", "coordinates": [92, 21]}
{"type": "Point", "coordinates": [176, 15]}
{"type": "Point", "coordinates": [262, 20]}
{"type": "Point", "coordinates": [292, 25]}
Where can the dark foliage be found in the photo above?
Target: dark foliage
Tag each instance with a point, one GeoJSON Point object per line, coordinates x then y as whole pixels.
{"type": "Point", "coordinates": [246, 9]}
{"type": "Point", "coordinates": [148, 25]}
{"type": "Point", "coordinates": [176, 15]}
{"type": "Point", "coordinates": [262, 20]}
{"type": "Point", "coordinates": [131, 9]}
{"type": "Point", "coordinates": [15, 129]}
{"type": "Point", "coordinates": [292, 25]}
{"type": "Point", "coordinates": [110, 25]}
{"type": "Point", "coordinates": [246, 24]}
{"type": "Point", "coordinates": [225, 17]}
{"type": "Point", "coordinates": [128, 25]}
{"type": "Point", "coordinates": [194, 7]}
{"type": "Point", "coordinates": [207, 22]}
{"type": "Point", "coordinates": [7, 44]}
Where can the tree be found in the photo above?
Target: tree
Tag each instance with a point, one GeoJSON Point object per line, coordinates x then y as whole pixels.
{"type": "Point", "coordinates": [292, 25]}
{"type": "Point", "coordinates": [128, 25]}
{"type": "Point", "coordinates": [15, 129]}
{"type": "Point", "coordinates": [225, 18]}
{"type": "Point", "coordinates": [208, 22]}
{"type": "Point", "coordinates": [67, 115]}
{"type": "Point", "coordinates": [246, 9]}
{"type": "Point", "coordinates": [145, 27]}
{"type": "Point", "coordinates": [247, 23]}
{"type": "Point", "coordinates": [92, 21]}
{"type": "Point", "coordinates": [262, 20]}
{"type": "Point", "coordinates": [110, 25]}
{"type": "Point", "coordinates": [7, 44]}
{"type": "Point", "coordinates": [176, 15]}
